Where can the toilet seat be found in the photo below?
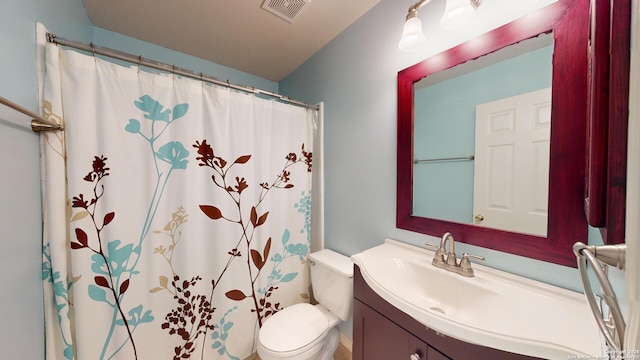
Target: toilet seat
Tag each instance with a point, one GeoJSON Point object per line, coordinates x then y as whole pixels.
{"type": "Point", "coordinates": [293, 330]}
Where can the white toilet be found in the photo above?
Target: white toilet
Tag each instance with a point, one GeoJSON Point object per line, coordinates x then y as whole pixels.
{"type": "Point", "coordinates": [310, 332]}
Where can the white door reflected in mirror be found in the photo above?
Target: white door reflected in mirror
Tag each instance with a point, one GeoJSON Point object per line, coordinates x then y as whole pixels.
{"type": "Point", "coordinates": [445, 105]}
{"type": "Point", "coordinates": [511, 169]}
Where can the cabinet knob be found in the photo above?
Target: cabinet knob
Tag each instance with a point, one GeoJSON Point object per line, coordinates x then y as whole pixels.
{"type": "Point", "coordinates": [478, 218]}
{"type": "Point", "coordinates": [414, 357]}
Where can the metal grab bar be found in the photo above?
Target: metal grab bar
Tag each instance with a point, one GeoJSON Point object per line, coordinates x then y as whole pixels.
{"type": "Point", "coordinates": [609, 254]}
{"type": "Point", "coordinates": [458, 158]}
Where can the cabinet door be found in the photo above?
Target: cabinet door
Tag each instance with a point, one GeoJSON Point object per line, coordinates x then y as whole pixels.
{"type": "Point", "coordinates": [433, 354]}
{"type": "Point", "coordinates": [609, 63]}
{"type": "Point", "coordinates": [384, 340]}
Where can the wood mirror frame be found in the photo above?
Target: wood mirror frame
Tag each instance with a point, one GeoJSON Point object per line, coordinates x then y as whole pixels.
{"type": "Point", "coordinates": [569, 22]}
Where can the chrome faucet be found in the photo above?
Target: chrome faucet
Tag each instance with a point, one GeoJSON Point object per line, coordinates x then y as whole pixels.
{"type": "Point", "coordinates": [451, 255]}
{"type": "Point", "coordinates": [450, 261]}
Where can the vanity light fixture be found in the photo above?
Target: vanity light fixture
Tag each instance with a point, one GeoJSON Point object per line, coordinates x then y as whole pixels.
{"type": "Point", "coordinates": [457, 13]}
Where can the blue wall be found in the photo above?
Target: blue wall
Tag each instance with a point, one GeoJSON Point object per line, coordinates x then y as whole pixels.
{"type": "Point", "coordinates": [445, 124]}
{"type": "Point", "coordinates": [21, 333]}
{"type": "Point", "coordinates": [355, 75]}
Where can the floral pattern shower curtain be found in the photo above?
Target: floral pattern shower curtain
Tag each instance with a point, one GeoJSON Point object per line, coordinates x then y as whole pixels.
{"type": "Point", "coordinates": [177, 214]}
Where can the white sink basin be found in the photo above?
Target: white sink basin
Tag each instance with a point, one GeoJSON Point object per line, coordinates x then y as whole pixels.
{"type": "Point", "coordinates": [494, 308]}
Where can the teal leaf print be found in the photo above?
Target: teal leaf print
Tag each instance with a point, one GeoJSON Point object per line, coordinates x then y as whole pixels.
{"type": "Point", "coordinates": [221, 334]}
{"type": "Point", "coordinates": [117, 257]}
{"type": "Point", "coordinates": [98, 266]}
{"type": "Point", "coordinates": [289, 277]}
{"type": "Point", "coordinates": [285, 236]}
{"type": "Point", "coordinates": [133, 126]}
{"type": "Point", "coordinates": [179, 110]}
{"type": "Point", "coordinates": [227, 326]}
{"type": "Point", "coordinates": [136, 317]}
{"type": "Point", "coordinates": [175, 154]}
{"type": "Point", "coordinates": [59, 288]}
{"type": "Point", "coordinates": [68, 352]}
{"type": "Point", "coordinates": [304, 207]}
{"type": "Point", "coordinates": [298, 249]}
{"type": "Point", "coordinates": [153, 109]}
{"type": "Point", "coordinates": [97, 294]}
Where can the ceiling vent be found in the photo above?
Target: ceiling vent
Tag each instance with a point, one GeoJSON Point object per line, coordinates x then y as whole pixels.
{"type": "Point", "coordinates": [286, 9]}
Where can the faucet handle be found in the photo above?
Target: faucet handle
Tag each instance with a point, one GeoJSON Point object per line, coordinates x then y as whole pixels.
{"type": "Point", "coordinates": [465, 258]}
{"type": "Point", "coordinates": [465, 264]}
{"type": "Point", "coordinates": [432, 246]}
{"type": "Point", "coordinates": [438, 257]}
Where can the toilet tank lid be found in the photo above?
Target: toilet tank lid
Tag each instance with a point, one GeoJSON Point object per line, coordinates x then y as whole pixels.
{"type": "Point", "coordinates": [340, 263]}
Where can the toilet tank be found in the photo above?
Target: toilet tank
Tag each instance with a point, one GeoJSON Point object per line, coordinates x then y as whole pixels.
{"type": "Point", "coordinates": [332, 281]}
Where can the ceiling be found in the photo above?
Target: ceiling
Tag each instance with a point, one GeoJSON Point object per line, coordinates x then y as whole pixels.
{"type": "Point", "coordinates": [236, 33]}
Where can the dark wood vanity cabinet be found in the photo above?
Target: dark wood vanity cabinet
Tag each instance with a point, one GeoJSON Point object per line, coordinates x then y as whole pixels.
{"type": "Point", "coordinates": [382, 332]}
{"type": "Point", "coordinates": [383, 339]}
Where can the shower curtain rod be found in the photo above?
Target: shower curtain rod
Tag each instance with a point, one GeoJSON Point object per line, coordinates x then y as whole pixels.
{"type": "Point", "coordinates": [119, 55]}
{"type": "Point", "coordinates": [38, 123]}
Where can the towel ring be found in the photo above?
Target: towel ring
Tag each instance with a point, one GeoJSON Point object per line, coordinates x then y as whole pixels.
{"type": "Point", "coordinates": [584, 255]}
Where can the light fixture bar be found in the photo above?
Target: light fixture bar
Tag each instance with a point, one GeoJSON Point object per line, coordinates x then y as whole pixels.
{"type": "Point", "coordinates": [414, 8]}
{"type": "Point", "coordinates": [457, 13]}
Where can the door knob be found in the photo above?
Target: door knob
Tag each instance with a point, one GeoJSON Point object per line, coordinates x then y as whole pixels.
{"type": "Point", "coordinates": [478, 218]}
{"type": "Point", "coordinates": [414, 357]}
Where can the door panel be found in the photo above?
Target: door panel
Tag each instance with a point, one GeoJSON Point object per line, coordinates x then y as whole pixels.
{"type": "Point", "coordinates": [393, 343]}
{"type": "Point", "coordinates": [511, 169]}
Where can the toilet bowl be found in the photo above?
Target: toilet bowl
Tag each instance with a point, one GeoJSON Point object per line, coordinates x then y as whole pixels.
{"type": "Point", "coordinates": [310, 332]}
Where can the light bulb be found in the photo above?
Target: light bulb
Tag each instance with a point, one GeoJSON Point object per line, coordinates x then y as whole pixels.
{"type": "Point", "coordinates": [457, 13]}
{"type": "Point", "coordinates": [412, 35]}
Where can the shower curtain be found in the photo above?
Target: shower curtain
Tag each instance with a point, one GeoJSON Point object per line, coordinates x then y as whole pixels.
{"type": "Point", "coordinates": [177, 214]}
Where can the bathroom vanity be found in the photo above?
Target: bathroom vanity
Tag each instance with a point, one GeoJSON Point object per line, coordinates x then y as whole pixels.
{"type": "Point", "coordinates": [381, 331]}
{"type": "Point", "coordinates": [406, 308]}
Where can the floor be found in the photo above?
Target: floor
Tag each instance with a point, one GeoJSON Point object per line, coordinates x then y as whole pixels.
{"type": "Point", "coordinates": [341, 354]}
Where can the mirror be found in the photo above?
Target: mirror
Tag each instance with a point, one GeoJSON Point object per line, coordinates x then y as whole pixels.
{"type": "Point", "coordinates": [478, 128]}
{"type": "Point", "coordinates": [567, 23]}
